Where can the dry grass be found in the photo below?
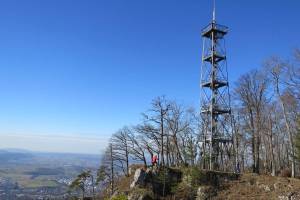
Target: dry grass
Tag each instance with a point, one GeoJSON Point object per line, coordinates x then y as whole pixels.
{"type": "Point", "coordinates": [251, 186]}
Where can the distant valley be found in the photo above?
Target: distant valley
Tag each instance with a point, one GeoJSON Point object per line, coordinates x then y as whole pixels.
{"type": "Point", "coordinates": [32, 175]}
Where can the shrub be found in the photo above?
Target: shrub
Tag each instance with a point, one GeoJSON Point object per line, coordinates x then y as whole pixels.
{"type": "Point", "coordinates": [184, 191]}
{"type": "Point", "coordinates": [120, 197]}
{"type": "Point", "coordinates": [194, 174]}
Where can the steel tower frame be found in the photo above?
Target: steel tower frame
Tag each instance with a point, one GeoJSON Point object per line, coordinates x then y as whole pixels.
{"type": "Point", "coordinates": [215, 97]}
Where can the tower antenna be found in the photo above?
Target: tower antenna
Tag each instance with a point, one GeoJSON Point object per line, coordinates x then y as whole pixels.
{"type": "Point", "coordinates": [214, 11]}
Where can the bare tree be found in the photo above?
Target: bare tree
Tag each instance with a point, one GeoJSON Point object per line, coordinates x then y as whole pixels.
{"type": "Point", "coordinates": [276, 68]}
{"type": "Point", "coordinates": [136, 148]}
{"type": "Point", "coordinates": [251, 93]}
{"type": "Point", "coordinates": [177, 124]}
{"type": "Point", "coordinates": [121, 144]}
{"type": "Point", "coordinates": [106, 172]}
{"type": "Point", "coordinates": [153, 126]}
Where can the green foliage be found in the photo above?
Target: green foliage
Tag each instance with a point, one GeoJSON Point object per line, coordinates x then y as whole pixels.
{"type": "Point", "coordinates": [79, 182]}
{"type": "Point", "coordinates": [193, 175]}
{"type": "Point", "coordinates": [36, 183]}
{"type": "Point", "coordinates": [120, 197]}
{"type": "Point", "coordinates": [187, 188]}
{"type": "Point", "coordinates": [101, 174]}
{"type": "Point", "coordinates": [185, 191]}
{"type": "Point", "coordinates": [164, 182]}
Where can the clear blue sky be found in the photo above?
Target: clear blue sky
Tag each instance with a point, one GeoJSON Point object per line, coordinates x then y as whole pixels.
{"type": "Point", "coordinates": [73, 72]}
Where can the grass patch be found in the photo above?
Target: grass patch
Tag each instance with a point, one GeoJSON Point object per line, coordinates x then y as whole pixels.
{"type": "Point", "coordinates": [36, 183]}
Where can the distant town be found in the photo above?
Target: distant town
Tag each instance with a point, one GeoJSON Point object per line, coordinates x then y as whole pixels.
{"type": "Point", "coordinates": [31, 175]}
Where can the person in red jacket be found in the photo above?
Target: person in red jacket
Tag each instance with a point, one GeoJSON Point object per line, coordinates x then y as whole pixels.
{"type": "Point", "coordinates": [154, 160]}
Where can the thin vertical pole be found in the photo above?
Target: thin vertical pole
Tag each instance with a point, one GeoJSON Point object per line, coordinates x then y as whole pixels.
{"type": "Point", "coordinates": [214, 11]}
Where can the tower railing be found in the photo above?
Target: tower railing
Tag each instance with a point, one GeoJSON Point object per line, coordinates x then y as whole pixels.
{"type": "Point", "coordinates": [214, 26]}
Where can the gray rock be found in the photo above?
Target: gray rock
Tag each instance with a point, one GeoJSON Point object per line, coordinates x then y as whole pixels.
{"type": "Point", "coordinates": [148, 170]}
{"type": "Point", "coordinates": [283, 198]}
{"type": "Point", "coordinates": [296, 196]}
{"type": "Point", "coordinates": [202, 193]}
{"type": "Point", "coordinates": [290, 196]}
{"type": "Point", "coordinates": [130, 171]}
{"type": "Point", "coordinates": [266, 188]}
{"type": "Point", "coordinates": [139, 178]}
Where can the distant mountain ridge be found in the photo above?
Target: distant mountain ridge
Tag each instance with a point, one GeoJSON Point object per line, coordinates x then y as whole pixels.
{"type": "Point", "coordinates": [6, 155]}
{"type": "Point", "coordinates": [16, 150]}
{"type": "Point", "coordinates": [11, 154]}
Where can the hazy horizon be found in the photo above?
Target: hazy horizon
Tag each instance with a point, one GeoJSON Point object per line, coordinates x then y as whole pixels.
{"type": "Point", "coordinates": [55, 143]}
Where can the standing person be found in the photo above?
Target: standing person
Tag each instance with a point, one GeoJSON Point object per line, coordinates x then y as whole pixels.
{"type": "Point", "coordinates": [154, 160]}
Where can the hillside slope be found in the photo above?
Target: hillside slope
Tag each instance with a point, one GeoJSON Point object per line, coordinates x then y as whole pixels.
{"type": "Point", "coordinates": [252, 186]}
{"type": "Point", "coordinates": [192, 183]}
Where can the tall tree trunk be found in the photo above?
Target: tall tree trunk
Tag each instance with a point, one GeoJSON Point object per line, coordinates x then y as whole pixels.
{"type": "Point", "coordinates": [112, 171]}
{"type": "Point", "coordinates": [273, 166]}
{"type": "Point", "coordinates": [127, 159]}
{"type": "Point", "coordinates": [253, 141]}
{"type": "Point", "coordinates": [168, 150]}
{"type": "Point", "coordinates": [179, 156]}
{"type": "Point", "coordinates": [287, 127]}
{"type": "Point", "coordinates": [257, 153]}
{"type": "Point", "coordinates": [162, 136]}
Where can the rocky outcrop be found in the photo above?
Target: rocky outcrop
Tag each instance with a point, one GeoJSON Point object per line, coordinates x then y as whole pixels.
{"type": "Point", "coordinates": [195, 184]}
{"type": "Point", "coordinates": [159, 181]}
{"type": "Point", "coordinates": [290, 196]}
{"type": "Point", "coordinates": [139, 178]}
